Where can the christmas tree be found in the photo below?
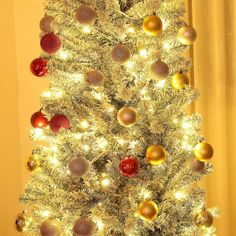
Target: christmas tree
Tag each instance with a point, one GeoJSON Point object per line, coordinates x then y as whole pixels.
{"type": "Point", "coordinates": [118, 153]}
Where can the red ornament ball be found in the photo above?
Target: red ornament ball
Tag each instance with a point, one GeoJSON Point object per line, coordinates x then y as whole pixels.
{"type": "Point", "coordinates": [38, 120]}
{"type": "Point", "coordinates": [59, 121]}
{"type": "Point", "coordinates": [39, 67]}
{"type": "Point", "coordinates": [129, 166]}
{"type": "Point", "coordinates": [50, 43]}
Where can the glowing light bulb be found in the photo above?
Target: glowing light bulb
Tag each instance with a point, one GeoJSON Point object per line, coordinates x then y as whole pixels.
{"type": "Point", "coordinates": [63, 55]}
{"type": "Point", "coordinates": [166, 45]}
{"type": "Point", "coordinates": [147, 194]}
{"type": "Point", "coordinates": [131, 29]}
{"type": "Point", "coordinates": [98, 96]}
{"type": "Point", "coordinates": [121, 141]}
{"type": "Point", "coordinates": [38, 133]}
{"type": "Point", "coordinates": [105, 182]}
{"type": "Point", "coordinates": [160, 84]}
{"type": "Point", "coordinates": [78, 136]}
{"type": "Point", "coordinates": [59, 94]}
{"type": "Point", "coordinates": [100, 224]}
{"type": "Point", "coordinates": [164, 24]}
{"type": "Point", "coordinates": [54, 160]}
{"type": "Point", "coordinates": [186, 125]}
{"type": "Point", "coordinates": [102, 142]}
{"type": "Point", "coordinates": [47, 94]}
{"type": "Point", "coordinates": [86, 147]}
{"type": "Point", "coordinates": [130, 64]}
{"type": "Point", "coordinates": [84, 124]}
{"type": "Point", "coordinates": [180, 195]}
{"type": "Point", "coordinates": [143, 53]}
{"type": "Point", "coordinates": [77, 77]}
{"type": "Point", "coordinates": [86, 29]}
{"type": "Point", "coordinates": [45, 213]}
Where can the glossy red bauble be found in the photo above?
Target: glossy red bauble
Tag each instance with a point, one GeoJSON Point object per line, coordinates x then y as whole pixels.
{"type": "Point", "coordinates": [38, 120]}
{"type": "Point", "coordinates": [50, 43]}
{"type": "Point", "coordinates": [39, 67]}
{"type": "Point", "coordinates": [129, 166]}
{"type": "Point", "coordinates": [59, 121]}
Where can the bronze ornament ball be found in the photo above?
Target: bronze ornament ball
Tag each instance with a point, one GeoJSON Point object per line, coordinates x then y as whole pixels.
{"type": "Point", "coordinates": [204, 219]}
{"type": "Point", "coordinates": [156, 154]}
{"type": "Point", "coordinates": [45, 24]}
{"type": "Point", "coordinates": [32, 163]}
{"type": "Point", "coordinates": [86, 15]}
{"type": "Point", "coordinates": [180, 81]}
{"type": "Point", "coordinates": [160, 69]}
{"type": "Point", "coordinates": [49, 228]}
{"type": "Point", "coordinates": [94, 77]}
{"type": "Point", "coordinates": [20, 222]}
{"type": "Point", "coordinates": [203, 151]}
{"type": "Point", "coordinates": [83, 227]}
{"type": "Point", "coordinates": [196, 165]}
{"type": "Point", "coordinates": [120, 53]}
{"type": "Point", "coordinates": [79, 166]}
{"type": "Point", "coordinates": [127, 116]}
{"type": "Point", "coordinates": [152, 25]}
{"type": "Point", "coordinates": [187, 35]}
{"type": "Point", "coordinates": [148, 210]}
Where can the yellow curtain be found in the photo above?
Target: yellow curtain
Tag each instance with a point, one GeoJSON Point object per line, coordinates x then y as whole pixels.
{"type": "Point", "coordinates": [214, 75]}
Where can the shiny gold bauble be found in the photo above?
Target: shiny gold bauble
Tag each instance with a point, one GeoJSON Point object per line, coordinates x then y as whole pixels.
{"type": "Point", "coordinates": [49, 228]}
{"type": "Point", "coordinates": [203, 151]}
{"type": "Point", "coordinates": [152, 25]}
{"type": "Point", "coordinates": [127, 116]}
{"type": "Point", "coordinates": [20, 222]}
{"type": "Point", "coordinates": [179, 81]}
{"type": "Point", "coordinates": [120, 53]}
{"type": "Point", "coordinates": [156, 154]}
{"type": "Point", "coordinates": [32, 163]}
{"type": "Point", "coordinates": [94, 77]}
{"type": "Point", "coordinates": [204, 218]}
{"type": "Point", "coordinates": [187, 35]}
{"type": "Point", "coordinates": [148, 210]}
{"type": "Point", "coordinates": [79, 166]}
{"type": "Point", "coordinates": [160, 69]}
{"type": "Point", "coordinates": [84, 227]}
{"type": "Point", "coordinates": [86, 15]}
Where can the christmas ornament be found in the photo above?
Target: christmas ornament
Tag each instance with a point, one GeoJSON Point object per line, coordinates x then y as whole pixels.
{"type": "Point", "coordinates": [156, 154]}
{"type": "Point", "coordinates": [196, 165]}
{"type": "Point", "coordinates": [148, 210]}
{"type": "Point", "coordinates": [20, 222]}
{"type": "Point", "coordinates": [39, 67]}
{"type": "Point", "coordinates": [49, 228]}
{"type": "Point", "coordinates": [59, 121]}
{"type": "Point", "coordinates": [32, 163]}
{"type": "Point", "coordinates": [120, 53]}
{"type": "Point", "coordinates": [83, 227]}
{"type": "Point", "coordinates": [160, 69]}
{"type": "Point", "coordinates": [127, 116]}
{"type": "Point", "coordinates": [50, 43]}
{"type": "Point", "coordinates": [152, 25]}
{"type": "Point", "coordinates": [187, 35]}
{"type": "Point", "coordinates": [179, 81]}
{"type": "Point", "coordinates": [38, 120]}
{"type": "Point", "coordinates": [45, 24]}
{"type": "Point", "coordinates": [204, 218]}
{"type": "Point", "coordinates": [86, 15]}
{"type": "Point", "coordinates": [129, 166]}
{"type": "Point", "coordinates": [79, 166]}
{"type": "Point", "coordinates": [203, 151]}
{"type": "Point", "coordinates": [94, 77]}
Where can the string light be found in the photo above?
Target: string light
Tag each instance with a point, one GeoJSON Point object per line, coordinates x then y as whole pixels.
{"type": "Point", "coordinates": [86, 29]}
{"type": "Point", "coordinates": [131, 29]}
{"type": "Point", "coordinates": [166, 45]}
{"type": "Point", "coordinates": [45, 213]}
{"type": "Point", "coordinates": [47, 94]}
{"type": "Point", "coordinates": [96, 95]}
{"type": "Point", "coordinates": [130, 64]}
{"type": "Point", "coordinates": [186, 125]}
{"type": "Point", "coordinates": [78, 136]}
{"type": "Point", "coordinates": [105, 182]}
{"type": "Point", "coordinates": [180, 195]}
{"type": "Point", "coordinates": [53, 160]}
{"type": "Point", "coordinates": [164, 24]}
{"type": "Point", "coordinates": [161, 83]}
{"type": "Point", "coordinates": [86, 147]}
{"type": "Point", "coordinates": [63, 55]}
{"type": "Point", "coordinates": [143, 52]}
{"type": "Point", "coordinates": [121, 141]}
{"type": "Point", "coordinates": [102, 143]}
{"type": "Point", "coordinates": [84, 124]}
{"type": "Point", "coordinates": [77, 77]}
{"type": "Point", "coordinates": [38, 134]}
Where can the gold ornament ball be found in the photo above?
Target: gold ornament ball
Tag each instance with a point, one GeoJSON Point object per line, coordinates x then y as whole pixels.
{"type": "Point", "coordinates": [94, 77]}
{"type": "Point", "coordinates": [32, 163]}
{"type": "Point", "coordinates": [79, 166]}
{"type": "Point", "coordinates": [86, 15]}
{"type": "Point", "coordinates": [20, 223]}
{"type": "Point", "coordinates": [203, 151]}
{"type": "Point", "coordinates": [127, 116]}
{"type": "Point", "coordinates": [179, 81]}
{"type": "Point", "coordinates": [160, 69]}
{"type": "Point", "coordinates": [45, 24]}
{"type": "Point", "coordinates": [156, 154]}
{"type": "Point", "coordinates": [187, 35]}
{"type": "Point", "coordinates": [152, 25]}
{"type": "Point", "coordinates": [83, 227]}
{"type": "Point", "coordinates": [204, 218]}
{"type": "Point", "coordinates": [148, 210]}
{"type": "Point", "coordinates": [49, 228]}
{"type": "Point", "coordinates": [120, 53]}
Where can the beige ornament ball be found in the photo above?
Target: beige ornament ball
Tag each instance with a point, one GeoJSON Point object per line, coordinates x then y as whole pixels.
{"type": "Point", "coordinates": [179, 81]}
{"type": "Point", "coordinates": [120, 53]}
{"type": "Point", "coordinates": [79, 166]}
{"type": "Point", "coordinates": [94, 77]}
{"type": "Point", "coordinates": [86, 15]}
{"type": "Point", "coordinates": [45, 24]}
{"type": "Point", "coordinates": [49, 228]}
{"type": "Point", "coordinates": [160, 69]}
{"type": "Point", "coordinates": [187, 35]}
{"type": "Point", "coordinates": [83, 227]}
{"type": "Point", "coordinates": [127, 116]}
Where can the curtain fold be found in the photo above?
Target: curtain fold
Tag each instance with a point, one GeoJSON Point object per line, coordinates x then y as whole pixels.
{"type": "Point", "coordinates": [214, 76]}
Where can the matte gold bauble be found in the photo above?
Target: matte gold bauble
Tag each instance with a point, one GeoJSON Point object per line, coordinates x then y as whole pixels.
{"type": "Point", "coordinates": [32, 163]}
{"type": "Point", "coordinates": [79, 166]}
{"type": "Point", "coordinates": [45, 24]}
{"type": "Point", "coordinates": [187, 35]}
{"type": "Point", "coordinates": [120, 53]}
{"type": "Point", "coordinates": [127, 116]}
{"type": "Point", "coordinates": [156, 154]}
{"type": "Point", "coordinates": [179, 81]}
{"type": "Point", "coordinates": [86, 15]}
{"type": "Point", "coordinates": [204, 218]}
{"type": "Point", "coordinates": [152, 25]}
{"type": "Point", "coordinates": [20, 222]}
{"type": "Point", "coordinates": [83, 227]}
{"type": "Point", "coordinates": [160, 69]}
{"type": "Point", "coordinates": [94, 77]}
{"type": "Point", "coordinates": [148, 210]}
{"type": "Point", "coordinates": [49, 228]}
{"type": "Point", "coordinates": [203, 151]}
